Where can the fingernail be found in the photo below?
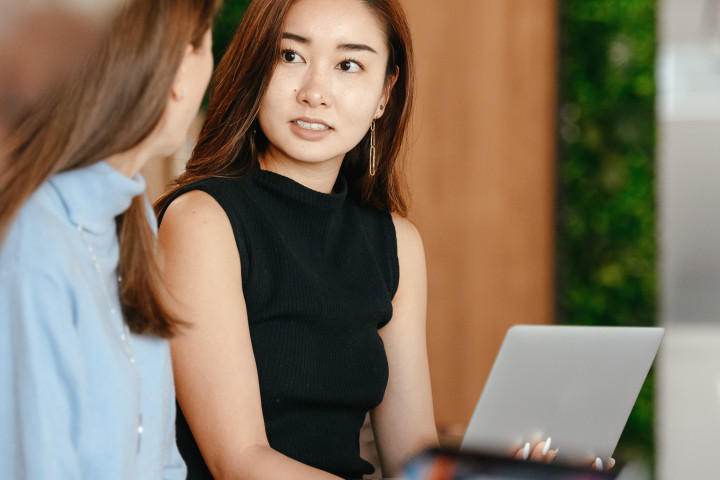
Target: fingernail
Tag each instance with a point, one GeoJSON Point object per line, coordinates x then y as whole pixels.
{"type": "Point", "coordinates": [598, 464]}
{"type": "Point", "coordinates": [556, 452]}
{"type": "Point", "coordinates": [546, 448]}
{"type": "Point", "coordinates": [611, 463]}
{"type": "Point", "coordinates": [526, 451]}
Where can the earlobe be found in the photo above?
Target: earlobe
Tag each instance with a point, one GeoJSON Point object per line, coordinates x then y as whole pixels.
{"type": "Point", "coordinates": [386, 95]}
{"type": "Point", "coordinates": [379, 111]}
{"type": "Point", "coordinates": [177, 92]}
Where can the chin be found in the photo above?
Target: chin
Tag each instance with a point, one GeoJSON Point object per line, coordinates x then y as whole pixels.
{"type": "Point", "coordinates": [315, 157]}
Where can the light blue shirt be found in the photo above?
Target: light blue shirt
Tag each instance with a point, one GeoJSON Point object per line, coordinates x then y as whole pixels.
{"type": "Point", "coordinates": [70, 399]}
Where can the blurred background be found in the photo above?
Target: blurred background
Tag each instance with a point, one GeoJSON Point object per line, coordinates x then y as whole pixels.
{"type": "Point", "coordinates": [562, 165]}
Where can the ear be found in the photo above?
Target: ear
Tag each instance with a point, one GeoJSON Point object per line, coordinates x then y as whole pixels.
{"type": "Point", "coordinates": [177, 90]}
{"type": "Point", "coordinates": [387, 90]}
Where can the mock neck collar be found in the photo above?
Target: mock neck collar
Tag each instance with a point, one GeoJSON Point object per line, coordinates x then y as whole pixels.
{"type": "Point", "coordinates": [289, 188]}
{"type": "Point", "coordinates": [93, 196]}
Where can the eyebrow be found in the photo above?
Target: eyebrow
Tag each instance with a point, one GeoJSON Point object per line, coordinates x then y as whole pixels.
{"type": "Point", "coordinates": [354, 47]}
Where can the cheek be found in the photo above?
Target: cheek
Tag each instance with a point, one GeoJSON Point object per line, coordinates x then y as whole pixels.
{"type": "Point", "coordinates": [361, 99]}
{"type": "Point", "coordinates": [278, 93]}
{"type": "Point", "coordinates": [270, 117]}
{"type": "Point", "coordinates": [358, 109]}
{"type": "Point", "coordinates": [281, 86]}
{"type": "Point", "coordinates": [199, 82]}
{"type": "Point", "coordinates": [268, 110]}
{"type": "Point", "coordinates": [209, 66]}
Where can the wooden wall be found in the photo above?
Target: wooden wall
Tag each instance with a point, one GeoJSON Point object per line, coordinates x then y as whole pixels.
{"type": "Point", "coordinates": [482, 177]}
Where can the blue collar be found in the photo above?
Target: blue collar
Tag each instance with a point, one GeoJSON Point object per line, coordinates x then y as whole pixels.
{"type": "Point", "coordinates": [93, 196]}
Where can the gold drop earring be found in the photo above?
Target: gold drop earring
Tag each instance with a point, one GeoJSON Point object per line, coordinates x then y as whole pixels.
{"type": "Point", "coordinates": [373, 165]}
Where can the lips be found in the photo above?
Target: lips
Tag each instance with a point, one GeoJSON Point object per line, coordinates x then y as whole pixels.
{"type": "Point", "coordinates": [310, 129]}
{"type": "Point", "coordinates": [311, 124]}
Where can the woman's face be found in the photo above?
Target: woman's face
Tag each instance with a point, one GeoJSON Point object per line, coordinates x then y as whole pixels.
{"type": "Point", "coordinates": [197, 69]}
{"type": "Point", "coordinates": [328, 84]}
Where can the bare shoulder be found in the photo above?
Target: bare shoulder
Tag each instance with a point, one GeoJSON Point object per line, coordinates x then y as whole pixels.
{"type": "Point", "coordinates": [408, 236]}
{"type": "Point", "coordinates": [195, 222]}
{"type": "Point", "coordinates": [199, 258]}
{"type": "Point", "coordinates": [193, 208]}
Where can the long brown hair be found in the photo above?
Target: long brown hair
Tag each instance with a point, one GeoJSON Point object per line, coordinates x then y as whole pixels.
{"type": "Point", "coordinates": [231, 140]}
{"type": "Point", "coordinates": [111, 104]}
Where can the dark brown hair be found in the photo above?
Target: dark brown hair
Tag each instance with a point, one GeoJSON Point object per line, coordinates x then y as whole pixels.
{"type": "Point", "coordinates": [109, 105]}
{"type": "Point", "coordinates": [230, 139]}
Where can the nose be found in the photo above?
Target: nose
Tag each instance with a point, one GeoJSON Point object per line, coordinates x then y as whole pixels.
{"type": "Point", "coordinates": [315, 89]}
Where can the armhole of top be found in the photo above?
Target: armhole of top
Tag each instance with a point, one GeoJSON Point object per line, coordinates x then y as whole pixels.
{"type": "Point", "coordinates": [217, 192]}
{"type": "Point", "coordinates": [380, 231]}
{"type": "Point", "coordinates": [392, 257]}
{"type": "Point", "coordinates": [391, 267]}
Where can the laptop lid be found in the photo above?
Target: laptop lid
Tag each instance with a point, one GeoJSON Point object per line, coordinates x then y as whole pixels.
{"type": "Point", "coordinates": [575, 384]}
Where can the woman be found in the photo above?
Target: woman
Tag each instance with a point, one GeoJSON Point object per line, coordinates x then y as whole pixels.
{"type": "Point", "coordinates": [289, 255]}
{"type": "Point", "coordinates": [81, 396]}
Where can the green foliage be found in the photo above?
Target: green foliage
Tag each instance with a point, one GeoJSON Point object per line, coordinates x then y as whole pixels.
{"type": "Point", "coordinates": [606, 210]}
{"type": "Point", "coordinates": [225, 25]}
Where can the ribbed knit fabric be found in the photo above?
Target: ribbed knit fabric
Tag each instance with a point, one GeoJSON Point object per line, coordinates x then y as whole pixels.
{"type": "Point", "coordinates": [319, 273]}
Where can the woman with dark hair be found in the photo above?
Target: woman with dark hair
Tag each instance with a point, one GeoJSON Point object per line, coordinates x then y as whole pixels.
{"type": "Point", "coordinates": [288, 253]}
{"type": "Point", "coordinates": [86, 386]}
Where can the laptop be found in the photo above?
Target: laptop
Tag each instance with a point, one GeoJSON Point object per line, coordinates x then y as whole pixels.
{"type": "Point", "coordinates": [575, 384]}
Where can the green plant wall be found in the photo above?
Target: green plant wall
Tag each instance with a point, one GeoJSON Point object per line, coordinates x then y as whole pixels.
{"type": "Point", "coordinates": [606, 199]}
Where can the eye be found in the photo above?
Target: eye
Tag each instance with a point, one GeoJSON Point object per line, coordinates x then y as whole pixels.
{"type": "Point", "coordinates": [350, 66]}
{"type": "Point", "coordinates": [291, 56]}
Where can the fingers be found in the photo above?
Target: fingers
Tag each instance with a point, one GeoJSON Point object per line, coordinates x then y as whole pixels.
{"type": "Point", "coordinates": [552, 455]}
{"type": "Point", "coordinates": [540, 452]}
{"type": "Point", "coordinates": [524, 453]}
{"type": "Point", "coordinates": [547, 454]}
{"type": "Point", "coordinates": [598, 464]}
{"type": "Point", "coordinates": [537, 452]}
{"type": "Point", "coordinates": [546, 448]}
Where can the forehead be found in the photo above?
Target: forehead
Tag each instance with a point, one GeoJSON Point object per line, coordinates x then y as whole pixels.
{"type": "Point", "coordinates": [341, 21]}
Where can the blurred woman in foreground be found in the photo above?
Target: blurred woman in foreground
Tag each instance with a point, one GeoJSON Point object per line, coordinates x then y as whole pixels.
{"type": "Point", "coordinates": [86, 387]}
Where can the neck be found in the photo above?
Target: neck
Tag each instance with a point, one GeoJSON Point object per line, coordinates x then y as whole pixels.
{"type": "Point", "coordinates": [130, 161]}
{"type": "Point", "coordinates": [320, 176]}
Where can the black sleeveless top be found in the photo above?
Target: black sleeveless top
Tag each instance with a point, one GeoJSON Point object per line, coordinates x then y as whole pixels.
{"type": "Point", "coordinates": [319, 272]}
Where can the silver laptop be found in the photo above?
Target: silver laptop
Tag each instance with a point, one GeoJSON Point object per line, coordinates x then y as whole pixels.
{"type": "Point", "coordinates": [576, 385]}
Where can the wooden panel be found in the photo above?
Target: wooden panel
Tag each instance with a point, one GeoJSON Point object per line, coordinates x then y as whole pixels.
{"type": "Point", "coordinates": [482, 176]}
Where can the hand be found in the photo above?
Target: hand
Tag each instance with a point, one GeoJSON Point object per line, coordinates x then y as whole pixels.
{"type": "Point", "coordinates": [540, 452]}
{"type": "Point", "coordinates": [597, 464]}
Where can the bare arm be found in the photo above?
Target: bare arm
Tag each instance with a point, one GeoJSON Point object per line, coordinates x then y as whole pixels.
{"type": "Point", "coordinates": [404, 422]}
{"type": "Point", "coordinates": [216, 377]}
